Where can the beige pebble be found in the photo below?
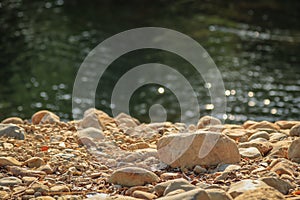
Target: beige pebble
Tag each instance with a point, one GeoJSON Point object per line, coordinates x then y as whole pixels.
{"type": "Point", "coordinates": [9, 161]}
{"type": "Point", "coordinates": [34, 162]}
{"type": "Point", "coordinates": [144, 195]}
{"type": "Point", "coordinates": [60, 188]}
{"type": "Point", "coordinates": [133, 176]}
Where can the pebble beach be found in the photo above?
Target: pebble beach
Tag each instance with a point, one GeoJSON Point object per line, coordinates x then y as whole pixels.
{"type": "Point", "coordinates": [100, 157]}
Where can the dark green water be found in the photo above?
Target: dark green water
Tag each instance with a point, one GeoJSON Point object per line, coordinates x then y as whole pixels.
{"type": "Point", "coordinates": [254, 44]}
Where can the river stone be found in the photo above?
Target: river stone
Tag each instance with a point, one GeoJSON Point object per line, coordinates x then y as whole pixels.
{"type": "Point", "coordinates": [242, 186]}
{"type": "Point", "coordinates": [250, 152]}
{"type": "Point", "coordinates": [178, 191]}
{"type": "Point", "coordinates": [132, 176]}
{"type": "Point", "coordinates": [295, 131]}
{"type": "Point", "coordinates": [13, 120]}
{"type": "Point", "coordinates": [280, 149]}
{"type": "Point", "coordinates": [227, 168]}
{"type": "Point", "coordinates": [143, 195]}
{"type": "Point", "coordinates": [294, 151]}
{"type": "Point", "coordinates": [240, 135]}
{"type": "Point", "coordinates": [275, 137]}
{"type": "Point", "coordinates": [9, 161]}
{"type": "Point", "coordinates": [39, 187]}
{"type": "Point", "coordinates": [27, 180]}
{"type": "Point", "coordinates": [218, 194]}
{"type": "Point", "coordinates": [199, 170]}
{"type": "Point", "coordinates": [90, 120]}
{"type": "Point", "coordinates": [264, 124]}
{"type": "Point", "coordinates": [60, 188]}
{"type": "Point", "coordinates": [279, 184]}
{"type": "Point", "coordinates": [199, 148]}
{"type": "Point", "coordinates": [91, 132]}
{"type": "Point", "coordinates": [34, 162]}
{"type": "Point", "coordinates": [282, 166]}
{"type": "Point", "coordinates": [125, 121]}
{"type": "Point", "coordinates": [142, 131]}
{"type": "Point", "coordinates": [140, 154]}
{"type": "Point", "coordinates": [260, 134]}
{"type": "Point", "coordinates": [249, 123]}
{"type": "Point", "coordinates": [263, 145]}
{"type": "Point", "coordinates": [196, 194]}
{"type": "Point", "coordinates": [13, 131]}
{"type": "Point", "coordinates": [103, 118]}
{"type": "Point", "coordinates": [207, 121]}
{"type": "Point", "coordinates": [10, 181]}
{"type": "Point", "coordinates": [286, 124]}
{"type": "Point", "coordinates": [263, 193]}
{"type": "Point", "coordinates": [18, 171]}
{"type": "Point", "coordinates": [43, 117]}
{"type": "Point", "coordinates": [170, 176]}
{"type": "Point", "coordinates": [178, 184]}
{"type": "Point", "coordinates": [161, 187]}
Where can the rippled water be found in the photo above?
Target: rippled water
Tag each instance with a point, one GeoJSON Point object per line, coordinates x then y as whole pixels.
{"type": "Point", "coordinates": [254, 44]}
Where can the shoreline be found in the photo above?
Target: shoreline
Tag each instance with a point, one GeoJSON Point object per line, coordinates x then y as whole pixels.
{"type": "Point", "coordinates": [100, 156]}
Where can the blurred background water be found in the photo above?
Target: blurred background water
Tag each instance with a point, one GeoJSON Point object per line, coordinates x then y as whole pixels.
{"type": "Point", "coordinates": [255, 45]}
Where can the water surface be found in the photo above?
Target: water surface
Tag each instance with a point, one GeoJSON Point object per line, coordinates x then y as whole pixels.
{"type": "Point", "coordinates": [254, 44]}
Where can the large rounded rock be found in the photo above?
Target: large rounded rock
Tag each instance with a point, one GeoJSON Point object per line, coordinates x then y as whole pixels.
{"type": "Point", "coordinates": [261, 194]}
{"type": "Point", "coordinates": [294, 151]}
{"type": "Point", "coordinates": [282, 186]}
{"type": "Point", "coordinates": [44, 117]}
{"type": "Point", "coordinates": [200, 148]}
{"type": "Point", "coordinates": [295, 131]}
{"type": "Point", "coordinates": [133, 176]}
{"type": "Point", "coordinates": [240, 187]}
{"type": "Point", "coordinates": [13, 131]}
